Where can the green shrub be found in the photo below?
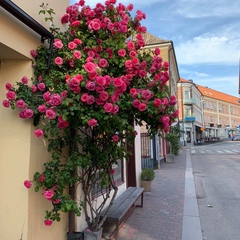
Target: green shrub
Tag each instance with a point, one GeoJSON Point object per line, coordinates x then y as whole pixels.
{"type": "Point", "coordinates": [147, 174]}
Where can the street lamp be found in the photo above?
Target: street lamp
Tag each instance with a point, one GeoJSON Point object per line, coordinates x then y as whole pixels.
{"type": "Point", "coordinates": [203, 121]}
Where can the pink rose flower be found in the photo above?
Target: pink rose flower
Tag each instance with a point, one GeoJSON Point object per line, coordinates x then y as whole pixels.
{"type": "Point", "coordinates": [172, 100]}
{"type": "Point", "coordinates": [58, 43]}
{"type": "Point", "coordinates": [90, 100]}
{"type": "Point", "coordinates": [130, 45]}
{"type": "Point", "coordinates": [117, 82]}
{"type": "Point", "coordinates": [133, 92]}
{"type": "Point", "coordinates": [121, 52]}
{"type": "Point", "coordinates": [48, 222]}
{"type": "Point", "coordinates": [42, 178]}
{"type": "Point", "coordinates": [101, 81]}
{"type": "Point", "coordinates": [38, 133]}
{"type": "Point", "coordinates": [28, 113]}
{"type": "Point", "coordinates": [33, 53]}
{"type": "Point", "coordinates": [77, 54]}
{"type": "Point", "coordinates": [90, 67]}
{"type": "Point", "coordinates": [157, 102]}
{"type": "Point", "coordinates": [103, 63]}
{"type": "Point", "coordinates": [58, 61]}
{"type": "Point", "coordinates": [142, 107]}
{"type": "Point", "coordinates": [11, 95]}
{"type": "Point", "coordinates": [103, 96]}
{"type": "Point", "coordinates": [20, 103]}
{"type": "Point", "coordinates": [90, 86]}
{"type": "Point", "coordinates": [34, 88]}
{"type": "Point", "coordinates": [95, 24]}
{"type": "Point", "coordinates": [115, 138]}
{"type": "Point", "coordinates": [27, 183]}
{"type": "Point", "coordinates": [42, 108]}
{"type": "Point", "coordinates": [56, 201]}
{"type": "Point", "coordinates": [6, 103]}
{"type": "Point", "coordinates": [84, 97]}
{"type": "Point", "coordinates": [64, 18]}
{"type": "Point", "coordinates": [108, 107]}
{"type": "Point", "coordinates": [92, 122]}
{"type": "Point", "coordinates": [24, 80]}
{"type": "Point", "coordinates": [48, 194]}
{"type": "Point", "coordinates": [130, 7]}
{"type": "Point", "coordinates": [135, 133]}
{"type": "Point", "coordinates": [55, 100]}
{"type": "Point", "coordinates": [157, 51]}
{"type": "Point", "coordinates": [142, 73]}
{"type": "Point", "coordinates": [75, 23]}
{"type": "Point", "coordinates": [112, 171]}
{"type": "Point", "coordinates": [41, 86]}
{"type": "Point", "coordinates": [128, 64]}
{"type": "Point", "coordinates": [47, 96]}
{"type": "Point", "coordinates": [77, 41]}
{"type": "Point", "coordinates": [115, 109]}
{"type": "Point", "coordinates": [114, 98]}
{"type": "Point", "coordinates": [8, 86]}
{"type": "Point", "coordinates": [50, 114]}
{"type": "Point", "coordinates": [62, 123]}
{"type": "Point", "coordinates": [147, 94]}
{"type": "Point", "coordinates": [72, 45]}
{"type": "Point", "coordinates": [176, 113]}
{"type": "Point", "coordinates": [136, 103]}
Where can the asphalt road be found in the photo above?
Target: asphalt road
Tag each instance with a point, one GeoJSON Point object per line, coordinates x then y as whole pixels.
{"type": "Point", "coordinates": [216, 170]}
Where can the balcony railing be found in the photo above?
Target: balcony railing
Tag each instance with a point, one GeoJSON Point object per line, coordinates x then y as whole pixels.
{"type": "Point", "coordinates": [189, 119]}
{"type": "Point", "coordinates": [189, 101]}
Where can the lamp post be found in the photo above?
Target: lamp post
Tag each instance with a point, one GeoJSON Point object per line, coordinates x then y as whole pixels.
{"type": "Point", "coordinates": [183, 130]}
{"type": "Point", "coordinates": [203, 121]}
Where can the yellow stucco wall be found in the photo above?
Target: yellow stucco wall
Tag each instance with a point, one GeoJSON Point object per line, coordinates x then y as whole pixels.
{"type": "Point", "coordinates": [21, 153]}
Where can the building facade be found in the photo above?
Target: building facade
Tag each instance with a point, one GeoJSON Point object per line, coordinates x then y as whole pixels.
{"type": "Point", "coordinates": [159, 146]}
{"type": "Point", "coordinates": [206, 114]}
{"type": "Point", "coordinates": [21, 153]}
{"type": "Point", "coordinates": [190, 112]}
{"type": "Point", "coordinates": [221, 113]}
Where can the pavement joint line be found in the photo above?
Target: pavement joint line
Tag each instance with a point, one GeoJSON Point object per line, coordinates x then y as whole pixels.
{"type": "Point", "coordinates": [191, 221]}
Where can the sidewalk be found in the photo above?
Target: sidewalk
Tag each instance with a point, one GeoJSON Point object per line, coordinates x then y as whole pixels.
{"type": "Point", "coordinates": [170, 210]}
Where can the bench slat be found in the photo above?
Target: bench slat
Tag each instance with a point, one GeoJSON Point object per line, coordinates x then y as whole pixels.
{"type": "Point", "coordinates": [124, 202]}
{"type": "Point", "coordinates": [130, 195]}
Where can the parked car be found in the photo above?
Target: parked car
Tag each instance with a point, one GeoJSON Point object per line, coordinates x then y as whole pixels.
{"type": "Point", "coordinates": [236, 137]}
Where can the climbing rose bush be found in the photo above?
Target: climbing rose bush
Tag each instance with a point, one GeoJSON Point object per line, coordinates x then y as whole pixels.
{"type": "Point", "coordinates": [100, 81]}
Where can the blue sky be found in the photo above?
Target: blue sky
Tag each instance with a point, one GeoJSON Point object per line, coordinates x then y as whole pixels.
{"type": "Point", "coordinates": [206, 37]}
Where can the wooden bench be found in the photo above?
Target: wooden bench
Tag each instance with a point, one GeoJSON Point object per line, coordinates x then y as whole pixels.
{"type": "Point", "coordinates": [123, 206]}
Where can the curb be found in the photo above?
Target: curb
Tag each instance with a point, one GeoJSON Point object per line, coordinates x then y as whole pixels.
{"type": "Point", "coordinates": [191, 220]}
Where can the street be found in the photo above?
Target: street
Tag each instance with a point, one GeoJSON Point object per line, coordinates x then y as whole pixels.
{"type": "Point", "coordinates": [216, 170]}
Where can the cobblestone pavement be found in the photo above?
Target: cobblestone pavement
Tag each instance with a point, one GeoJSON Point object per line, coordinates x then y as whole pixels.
{"type": "Point", "coordinates": [161, 217]}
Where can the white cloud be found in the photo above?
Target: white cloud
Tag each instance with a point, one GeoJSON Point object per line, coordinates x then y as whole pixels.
{"type": "Point", "coordinates": [206, 8]}
{"type": "Point", "coordinates": [220, 48]}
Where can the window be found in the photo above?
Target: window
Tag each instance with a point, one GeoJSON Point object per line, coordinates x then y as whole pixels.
{"type": "Point", "coordinates": [219, 107]}
{"type": "Point", "coordinates": [215, 106]}
{"type": "Point", "coordinates": [210, 103]}
{"type": "Point", "coordinates": [118, 177]}
{"type": "Point", "coordinates": [187, 112]}
{"type": "Point", "coordinates": [186, 94]}
{"type": "Point", "coordinates": [207, 106]}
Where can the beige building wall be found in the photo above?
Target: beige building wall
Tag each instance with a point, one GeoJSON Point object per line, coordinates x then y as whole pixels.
{"type": "Point", "coordinates": [21, 154]}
